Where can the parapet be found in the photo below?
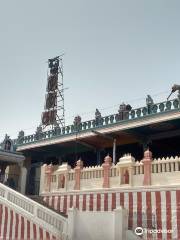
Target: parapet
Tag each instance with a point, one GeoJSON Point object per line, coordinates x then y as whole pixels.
{"type": "Point", "coordinates": [126, 173]}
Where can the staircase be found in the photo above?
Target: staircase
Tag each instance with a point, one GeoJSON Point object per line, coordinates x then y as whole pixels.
{"type": "Point", "coordinates": [39, 199]}
{"type": "Point", "coordinates": [24, 218]}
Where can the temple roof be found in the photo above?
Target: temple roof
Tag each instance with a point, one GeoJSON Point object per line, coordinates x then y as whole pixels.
{"type": "Point", "coordinates": [162, 121]}
{"type": "Point", "coordinates": [12, 157]}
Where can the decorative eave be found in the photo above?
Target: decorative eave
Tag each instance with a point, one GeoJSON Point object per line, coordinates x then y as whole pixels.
{"type": "Point", "coordinates": [12, 157]}
{"type": "Point", "coordinates": [107, 129]}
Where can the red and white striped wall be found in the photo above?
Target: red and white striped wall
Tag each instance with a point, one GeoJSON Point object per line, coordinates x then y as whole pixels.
{"type": "Point", "coordinates": [15, 226]}
{"type": "Point", "coordinates": [150, 209]}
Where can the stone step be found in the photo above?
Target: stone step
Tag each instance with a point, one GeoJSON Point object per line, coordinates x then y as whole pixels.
{"type": "Point", "coordinates": [39, 199]}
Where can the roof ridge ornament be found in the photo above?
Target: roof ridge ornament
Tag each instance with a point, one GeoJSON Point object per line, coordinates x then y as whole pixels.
{"type": "Point", "coordinates": [7, 143]}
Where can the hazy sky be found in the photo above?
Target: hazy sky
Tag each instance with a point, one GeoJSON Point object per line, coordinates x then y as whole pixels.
{"type": "Point", "coordinates": [114, 51]}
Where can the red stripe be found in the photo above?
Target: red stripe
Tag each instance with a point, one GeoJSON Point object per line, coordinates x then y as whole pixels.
{"type": "Point", "coordinates": [149, 210]}
{"type": "Point", "coordinates": [130, 222]}
{"type": "Point", "coordinates": [98, 202]}
{"type": "Point", "coordinates": [122, 199]}
{"type": "Point", "coordinates": [158, 214]}
{"type": "Point", "coordinates": [47, 200]}
{"type": "Point", "coordinates": [34, 231]}
{"type": "Point", "coordinates": [47, 236]}
{"type": "Point", "coordinates": [11, 225]}
{"type": "Point", "coordinates": [65, 204]}
{"type": "Point", "coordinates": [77, 201]}
{"type": "Point", "coordinates": [1, 212]}
{"type": "Point", "coordinates": [22, 227]}
{"type": "Point", "coordinates": [28, 229]}
{"type": "Point", "coordinates": [17, 224]}
{"type": "Point", "coordinates": [71, 201]}
{"type": "Point", "coordinates": [168, 214]}
{"type": "Point", "coordinates": [40, 233]}
{"type": "Point", "coordinates": [5, 222]}
{"type": "Point", "coordinates": [91, 202]}
{"type": "Point", "coordinates": [52, 202]}
{"type": "Point", "coordinates": [178, 212]}
{"type": "Point", "coordinates": [149, 213]}
{"type": "Point", "coordinates": [139, 209]}
{"type": "Point", "coordinates": [84, 203]}
{"type": "Point", "coordinates": [113, 201]}
{"type": "Point", "coordinates": [58, 203]}
{"type": "Point", "coordinates": [105, 201]}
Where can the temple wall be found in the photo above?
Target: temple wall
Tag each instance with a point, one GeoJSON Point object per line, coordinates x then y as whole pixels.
{"type": "Point", "coordinates": [93, 184]}
{"type": "Point", "coordinates": [167, 178]}
{"type": "Point", "coordinates": [138, 180]}
{"type": "Point", "coordinates": [127, 172]}
{"type": "Point", "coordinates": [148, 189]}
{"type": "Point", "coordinates": [114, 181]}
{"type": "Point", "coordinates": [86, 225]}
{"type": "Point", "coordinates": [70, 184]}
{"type": "Point", "coordinates": [149, 208]}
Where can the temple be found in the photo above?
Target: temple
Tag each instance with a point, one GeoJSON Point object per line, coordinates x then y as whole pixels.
{"type": "Point", "coordinates": [125, 166]}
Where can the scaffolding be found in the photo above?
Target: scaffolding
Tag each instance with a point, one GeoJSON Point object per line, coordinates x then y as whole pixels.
{"type": "Point", "coordinates": [54, 112]}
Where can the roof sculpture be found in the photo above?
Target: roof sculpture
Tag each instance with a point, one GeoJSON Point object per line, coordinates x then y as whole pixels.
{"type": "Point", "coordinates": [125, 114]}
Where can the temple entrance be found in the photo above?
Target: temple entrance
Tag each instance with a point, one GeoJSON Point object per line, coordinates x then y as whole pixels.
{"type": "Point", "coordinates": [33, 179]}
{"type": "Point", "coordinates": [12, 170]}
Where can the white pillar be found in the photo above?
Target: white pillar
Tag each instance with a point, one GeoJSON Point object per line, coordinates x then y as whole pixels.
{"type": "Point", "coordinates": [22, 179]}
{"type": "Point", "coordinates": [114, 151]}
{"type": "Point", "coordinates": [42, 179]}
{"type": "Point", "coordinates": [120, 223]}
{"type": "Point", "coordinates": [72, 212]}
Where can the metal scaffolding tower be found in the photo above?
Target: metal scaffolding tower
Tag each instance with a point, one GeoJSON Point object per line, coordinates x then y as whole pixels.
{"type": "Point", "coordinates": [54, 112]}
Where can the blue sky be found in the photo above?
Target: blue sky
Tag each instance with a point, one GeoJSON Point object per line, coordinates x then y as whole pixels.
{"type": "Point", "coordinates": [114, 51]}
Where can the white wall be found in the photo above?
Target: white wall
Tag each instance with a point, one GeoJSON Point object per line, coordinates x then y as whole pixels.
{"type": "Point", "coordinates": [97, 225]}
{"type": "Point", "coordinates": [165, 178]}
{"type": "Point", "coordinates": [92, 183]}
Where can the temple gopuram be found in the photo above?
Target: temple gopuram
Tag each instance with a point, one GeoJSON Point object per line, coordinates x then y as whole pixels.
{"type": "Point", "coordinates": [120, 171]}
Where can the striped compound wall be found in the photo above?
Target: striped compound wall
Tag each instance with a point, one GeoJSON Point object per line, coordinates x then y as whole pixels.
{"type": "Point", "coordinates": [153, 209]}
{"type": "Point", "coordinates": [14, 226]}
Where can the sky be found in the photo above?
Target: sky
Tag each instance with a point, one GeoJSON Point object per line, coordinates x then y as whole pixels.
{"type": "Point", "coordinates": [115, 51]}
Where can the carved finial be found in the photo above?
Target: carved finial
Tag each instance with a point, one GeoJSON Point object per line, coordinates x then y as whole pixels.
{"type": "Point", "coordinates": [79, 163]}
{"type": "Point", "coordinates": [148, 154]}
{"type": "Point", "coordinates": [108, 159]}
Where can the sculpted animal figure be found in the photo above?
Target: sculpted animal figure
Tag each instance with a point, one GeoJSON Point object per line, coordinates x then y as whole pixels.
{"type": "Point", "coordinates": [175, 88]}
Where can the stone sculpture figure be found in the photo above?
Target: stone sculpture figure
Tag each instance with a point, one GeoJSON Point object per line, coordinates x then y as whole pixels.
{"type": "Point", "coordinates": [149, 103]}
{"type": "Point", "coordinates": [124, 111]}
{"type": "Point", "coordinates": [7, 143]}
{"type": "Point", "coordinates": [175, 88]}
{"type": "Point", "coordinates": [98, 117]}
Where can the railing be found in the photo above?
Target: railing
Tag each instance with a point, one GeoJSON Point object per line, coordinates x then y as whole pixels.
{"type": "Point", "coordinates": [39, 212]}
{"type": "Point", "coordinates": [22, 203]}
{"type": "Point", "coordinates": [94, 177]}
{"type": "Point", "coordinates": [104, 121]}
{"type": "Point", "coordinates": [166, 165]}
{"type": "Point", "coordinates": [114, 171]}
{"type": "Point", "coordinates": [138, 168]}
{"type": "Point", "coordinates": [71, 175]}
{"type": "Point", "coordinates": [159, 165]}
{"type": "Point", "coordinates": [92, 172]}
